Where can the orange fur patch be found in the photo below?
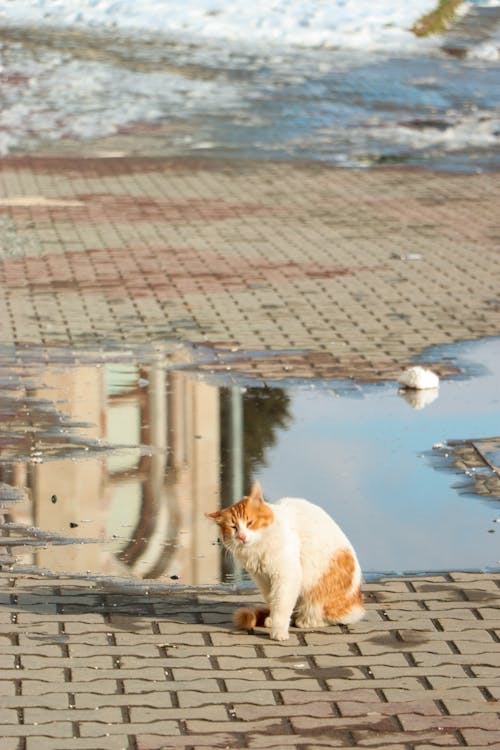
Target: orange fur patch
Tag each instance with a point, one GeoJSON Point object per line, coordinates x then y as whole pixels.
{"type": "Point", "coordinates": [334, 589]}
{"type": "Point", "coordinates": [247, 619]}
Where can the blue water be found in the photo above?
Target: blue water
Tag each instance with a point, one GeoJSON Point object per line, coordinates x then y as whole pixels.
{"type": "Point", "coordinates": [366, 461]}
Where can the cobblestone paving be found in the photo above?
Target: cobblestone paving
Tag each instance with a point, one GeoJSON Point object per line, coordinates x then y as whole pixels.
{"type": "Point", "coordinates": [86, 667]}
{"type": "Point", "coordinates": [337, 273]}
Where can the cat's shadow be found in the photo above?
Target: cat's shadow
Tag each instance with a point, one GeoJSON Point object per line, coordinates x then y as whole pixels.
{"type": "Point", "coordinates": [119, 606]}
{"type": "Point", "coordinates": [36, 607]}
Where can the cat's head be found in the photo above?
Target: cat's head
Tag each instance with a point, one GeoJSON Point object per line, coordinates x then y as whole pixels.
{"type": "Point", "coordinates": [242, 523]}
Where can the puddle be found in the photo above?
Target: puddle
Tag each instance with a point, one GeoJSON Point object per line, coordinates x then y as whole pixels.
{"type": "Point", "coordinates": [107, 471]}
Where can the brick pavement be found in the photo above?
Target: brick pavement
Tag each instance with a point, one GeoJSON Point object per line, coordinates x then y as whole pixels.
{"type": "Point", "coordinates": [331, 274]}
{"type": "Point", "coordinates": [88, 667]}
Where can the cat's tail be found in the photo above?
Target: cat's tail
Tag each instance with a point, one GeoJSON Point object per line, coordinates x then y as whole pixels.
{"type": "Point", "coordinates": [247, 619]}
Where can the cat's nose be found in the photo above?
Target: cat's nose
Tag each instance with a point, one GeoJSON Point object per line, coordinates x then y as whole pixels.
{"type": "Point", "coordinates": [242, 536]}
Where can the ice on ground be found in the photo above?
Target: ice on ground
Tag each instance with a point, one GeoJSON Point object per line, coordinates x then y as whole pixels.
{"type": "Point", "coordinates": [310, 23]}
{"type": "Point", "coordinates": [343, 81]}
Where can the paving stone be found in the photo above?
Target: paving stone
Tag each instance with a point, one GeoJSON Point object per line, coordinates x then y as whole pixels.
{"type": "Point", "coordinates": [368, 694]}
{"type": "Point", "coordinates": [98, 729]}
{"type": "Point", "coordinates": [50, 729]}
{"type": "Point", "coordinates": [269, 725]}
{"type": "Point", "coordinates": [412, 722]}
{"type": "Point", "coordinates": [84, 674]}
{"type": "Point", "coordinates": [7, 716]}
{"type": "Point", "coordinates": [49, 675]}
{"type": "Point", "coordinates": [210, 713]}
{"type": "Point", "coordinates": [46, 701]}
{"type": "Point", "coordinates": [322, 739]}
{"type": "Point", "coordinates": [423, 707]}
{"type": "Point", "coordinates": [116, 742]}
{"type": "Point", "coordinates": [250, 711]}
{"type": "Point", "coordinates": [216, 740]}
{"type": "Point", "coordinates": [10, 743]}
{"type": "Point", "coordinates": [40, 716]}
{"type": "Point", "coordinates": [478, 737]}
{"type": "Point", "coordinates": [38, 687]}
{"type": "Point", "coordinates": [100, 663]}
{"type": "Point", "coordinates": [263, 697]}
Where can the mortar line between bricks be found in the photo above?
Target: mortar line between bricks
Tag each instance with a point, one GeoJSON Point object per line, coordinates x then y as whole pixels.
{"type": "Point", "coordinates": [487, 694]}
{"type": "Point", "coordinates": [477, 614]}
{"type": "Point", "coordinates": [120, 685]}
{"type": "Point", "coordinates": [174, 698]}
{"type": "Point", "coordinates": [18, 685]}
{"type": "Point", "coordinates": [366, 670]}
{"type": "Point", "coordinates": [493, 635]}
{"type": "Point", "coordinates": [68, 675]}
{"type": "Point", "coordinates": [221, 684]}
{"type": "Point", "coordinates": [461, 739]}
{"type": "Point", "coordinates": [214, 662]}
{"type": "Point", "coordinates": [278, 697]}
{"type": "Point", "coordinates": [424, 681]}
{"type": "Point", "coordinates": [463, 594]}
{"type": "Point", "coordinates": [441, 706]}
{"type": "Point", "coordinates": [469, 672]}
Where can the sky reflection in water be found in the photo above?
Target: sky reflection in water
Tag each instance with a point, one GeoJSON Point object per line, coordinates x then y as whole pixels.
{"type": "Point", "coordinates": [364, 460]}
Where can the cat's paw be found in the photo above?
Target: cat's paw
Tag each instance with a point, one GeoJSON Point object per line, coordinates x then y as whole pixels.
{"type": "Point", "coordinates": [306, 623]}
{"type": "Point", "coordinates": [268, 622]}
{"type": "Point", "coordinates": [279, 634]}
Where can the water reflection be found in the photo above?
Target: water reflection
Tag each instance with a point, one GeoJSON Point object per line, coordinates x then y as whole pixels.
{"type": "Point", "coordinates": [148, 501]}
{"type": "Point", "coordinates": [134, 458]}
{"type": "Point", "coordinates": [109, 470]}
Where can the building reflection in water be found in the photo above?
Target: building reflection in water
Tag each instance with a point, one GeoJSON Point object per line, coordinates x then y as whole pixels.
{"type": "Point", "coordinates": [144, 506]}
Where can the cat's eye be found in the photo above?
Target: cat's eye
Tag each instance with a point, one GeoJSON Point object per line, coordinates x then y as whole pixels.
{"type": "Point", "coordinates": [249, 523]}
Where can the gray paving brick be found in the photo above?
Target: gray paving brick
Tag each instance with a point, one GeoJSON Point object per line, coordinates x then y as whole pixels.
{"type": "Point", "coordinates": [8, 716]}
{"type": "Point", "coordinates": [37, 687]}
{"type": "Point", "coordinates": [145, 699]}
{"type": "Point", "coordinates": [10, 743]}
{"type": "Point", "coordinates": [40, 716]}
{"type": "Point", "coordinates": [49, 675]}
{"type": "Point", "coordinates": [116, 742]}
{"type": "Point", "coordinates": [211, 713]}
{"type": "Point", "coordinates": [320, 739]}
{"type": "Point", "coordinates": [98, 729]}
{"type": "Point", "coordinates": [216, 740]}
{"type": "Point", "coordinates": [206, 685]}
{"type": "Point", "coordinates": [51, 729]}
{"type": "Point", "coordinates": [46, 701]}
{"type": "Point", "coordinates": [263, 697]}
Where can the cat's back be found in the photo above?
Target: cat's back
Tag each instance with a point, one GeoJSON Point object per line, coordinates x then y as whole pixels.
{"type": "Point", "coordinates": [311, 523]}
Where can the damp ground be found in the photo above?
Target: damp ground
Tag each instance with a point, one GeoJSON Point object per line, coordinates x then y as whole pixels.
{"type": "Point", "coordinates": [109, 462]}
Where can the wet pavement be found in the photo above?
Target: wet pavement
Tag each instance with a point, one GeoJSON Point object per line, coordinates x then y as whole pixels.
{"type": "Point", "coordinates": [170, 329]}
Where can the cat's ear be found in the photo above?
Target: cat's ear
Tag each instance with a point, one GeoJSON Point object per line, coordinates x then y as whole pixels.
{"type": "Point", "coordinates": [256, 495]}
{"type": "Point", "coordinates": [215, 516]}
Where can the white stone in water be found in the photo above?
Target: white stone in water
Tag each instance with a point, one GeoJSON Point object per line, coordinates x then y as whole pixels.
{"type": "Point", "coordinates": [418, 377]}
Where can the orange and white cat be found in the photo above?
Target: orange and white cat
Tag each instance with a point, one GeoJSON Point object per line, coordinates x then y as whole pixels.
{"type": "Point", "coordinates": [302, 562]}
